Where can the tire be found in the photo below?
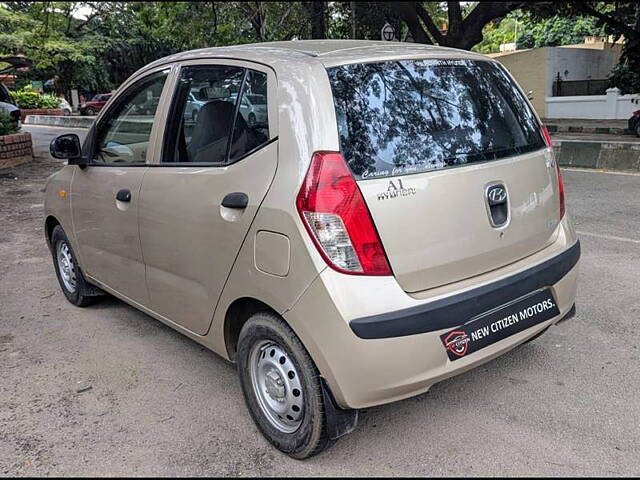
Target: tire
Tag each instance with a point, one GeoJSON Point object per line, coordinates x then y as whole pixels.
{"type": "Point", "coordinates": [89, 111]}
{"type": "Point", "coordinates": [251, 121]}
{"type": "Point", "coordinates": [72, 282]}
{"type": "Point", "coordinates": [306, 434]}
{"type": "Point", "coordinates": [638, 129]}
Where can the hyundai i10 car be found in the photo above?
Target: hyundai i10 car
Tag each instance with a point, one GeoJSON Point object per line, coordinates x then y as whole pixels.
{"type": "Point", "coordinates": [395, 218]}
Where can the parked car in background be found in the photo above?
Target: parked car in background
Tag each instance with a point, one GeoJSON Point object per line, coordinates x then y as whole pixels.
{"type": "Point", "coordinates": [94, 105]}
{"type": "Point", "coordinates": [8, 105]}
{"type": "Point", "coordinates": [634, 123]}
{"type": "Point", "coordinates": [398, 219]}
{"type": "Point", "coordinates": [64, 106]}
{"type": "Point", "coordinates": [193, 106]}
{"type": "Point", "coordinates": [254, 113]}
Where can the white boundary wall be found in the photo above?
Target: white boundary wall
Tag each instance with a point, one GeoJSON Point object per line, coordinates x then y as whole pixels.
{"type": "Point", "coordinates": [610, 106]}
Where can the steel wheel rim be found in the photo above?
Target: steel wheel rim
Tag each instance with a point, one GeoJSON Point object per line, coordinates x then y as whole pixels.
{"type": "Point", "coordinates": [276, 385]}
{"type": "Point", "coordinates": [66, 267]}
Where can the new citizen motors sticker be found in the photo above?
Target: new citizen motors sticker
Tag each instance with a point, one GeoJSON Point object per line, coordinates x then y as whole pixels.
{"type": "Point", "coordinates": [500, 323]}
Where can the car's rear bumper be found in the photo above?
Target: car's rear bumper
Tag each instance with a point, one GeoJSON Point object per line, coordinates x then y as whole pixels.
{"type": "Point", "coordinates": [374, 343]}
{"type": "Point", "coordinates": [447, 312]}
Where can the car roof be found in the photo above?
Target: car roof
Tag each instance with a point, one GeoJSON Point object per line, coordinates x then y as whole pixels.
{"type": "Point", "coordinates": [328, 52]}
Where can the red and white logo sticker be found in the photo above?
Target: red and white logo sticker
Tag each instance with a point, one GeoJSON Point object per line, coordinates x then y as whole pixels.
{"type": "Point", "coordinates": [456, 342]}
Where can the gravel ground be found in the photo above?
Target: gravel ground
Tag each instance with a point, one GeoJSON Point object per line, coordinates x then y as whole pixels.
{"type": "Point", "coordinates": [108, 390]}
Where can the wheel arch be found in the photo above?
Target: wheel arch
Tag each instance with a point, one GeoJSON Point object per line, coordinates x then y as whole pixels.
{"type": "Point", "coordinates": [238, 312]}
{"type": "Point", "coordinates": [49, 224]}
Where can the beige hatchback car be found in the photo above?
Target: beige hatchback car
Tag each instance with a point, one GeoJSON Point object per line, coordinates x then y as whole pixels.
{"type": "Point", "coordinates": [394, 217]}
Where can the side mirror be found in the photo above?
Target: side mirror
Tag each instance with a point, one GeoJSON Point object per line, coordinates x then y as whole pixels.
{"type": "Point", "coordinates": [67, 147]}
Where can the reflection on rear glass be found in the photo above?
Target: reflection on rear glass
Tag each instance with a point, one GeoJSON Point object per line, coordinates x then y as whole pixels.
{"type": "Point", "coordinates": [403, 117]}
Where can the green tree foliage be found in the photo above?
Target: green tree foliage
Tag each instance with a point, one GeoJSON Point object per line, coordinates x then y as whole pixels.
{"type": "Point", "coordinates": [558, 30]}
{"type": "Point", "coordinates": [116, 38]}
{"type": "Point", "coordinates": [99, 52]}
{"type": "Point", "coordinates": [530, 32]}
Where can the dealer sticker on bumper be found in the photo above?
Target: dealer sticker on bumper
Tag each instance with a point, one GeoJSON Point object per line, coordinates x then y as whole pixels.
{"type": "Point", "coordinates": [498, 324]}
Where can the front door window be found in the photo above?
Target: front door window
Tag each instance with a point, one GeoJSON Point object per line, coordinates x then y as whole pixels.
{"type": "Point", "coordinates": [123, 134]}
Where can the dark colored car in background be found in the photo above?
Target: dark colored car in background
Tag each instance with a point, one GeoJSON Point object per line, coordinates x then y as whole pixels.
{"type": "Point", "coordinates": [94, 105]}
{"type": "Point", "coordinates": [634, 123]}
{"type": "Point", "coordinates": [8, 105]}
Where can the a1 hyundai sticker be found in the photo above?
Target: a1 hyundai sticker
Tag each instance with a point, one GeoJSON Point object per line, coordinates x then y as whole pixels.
{"type": "Point", "coordinates": [499, 324]}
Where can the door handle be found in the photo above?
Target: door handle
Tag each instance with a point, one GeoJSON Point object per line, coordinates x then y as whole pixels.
{"type": "Point", "coordinates": [123, 195]}
{"type": "Point", "coordinates": [235, 200]}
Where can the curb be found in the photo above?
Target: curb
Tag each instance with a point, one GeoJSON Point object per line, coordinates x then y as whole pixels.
{"type": "Point", "coordinates": [580, 129]}
{"type": "Point", "coordinates": [60, 121]}
{"type": "Point", "coordinates": [620, 156]}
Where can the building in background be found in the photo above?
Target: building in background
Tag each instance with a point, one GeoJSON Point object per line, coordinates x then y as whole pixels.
{"type": "Point", "coordinates": [570, 81]}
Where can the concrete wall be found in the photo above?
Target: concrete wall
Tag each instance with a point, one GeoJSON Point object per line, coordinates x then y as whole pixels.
{"type": "Point", "coordinates": [536, 69]}
{"type": "Point", "coordinates": [623, 156]}
{"type": "Point", "coordinates": [529, 68]}
{"type": "Point", "coordinates": [609, 106]}
{"type": "Point", "coordinates": [579, 64]}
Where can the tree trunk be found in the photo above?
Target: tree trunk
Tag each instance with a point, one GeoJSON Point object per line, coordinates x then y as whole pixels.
{"type": "Point", "coordinates": [463, 32]}
{"type": "Point", "coordinates": [318, 26]}
{"type": "Point", "coordinates": [353, 20]}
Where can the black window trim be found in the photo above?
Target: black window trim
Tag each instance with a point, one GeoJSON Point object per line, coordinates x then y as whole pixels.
{"type": "Point", "coordinates": [172, 120]}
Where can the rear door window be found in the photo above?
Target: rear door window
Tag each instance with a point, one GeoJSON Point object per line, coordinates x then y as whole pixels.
{"type": "Point", "coordinates": [403, 117]}
{"type": "Point", "coordinates": [211, 120]}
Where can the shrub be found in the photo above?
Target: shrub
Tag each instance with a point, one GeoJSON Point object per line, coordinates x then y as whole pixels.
{"type": "Point", "coordinates": [7, 125]}
{"type": "Point", "coordinates": [625, 78]}
{"type": "Point", "coordinates": [26, 98]}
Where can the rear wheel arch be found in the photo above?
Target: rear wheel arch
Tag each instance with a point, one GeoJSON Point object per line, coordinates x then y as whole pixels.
{"type": "Point", "coordinates": [237, 315]}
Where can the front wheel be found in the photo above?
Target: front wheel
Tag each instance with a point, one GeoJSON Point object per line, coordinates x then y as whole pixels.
{"type": "Point", "coordinates": [281, 387]}
{"type": "Point", "coordinates": [638, 129]}
{"type": "Point", "coordinates": [72, 282]}
{"type": "Point", "coordinates": [89, 111]}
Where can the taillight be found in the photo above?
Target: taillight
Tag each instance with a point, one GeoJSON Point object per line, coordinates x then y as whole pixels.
{"type": "Point", "coordinates": [547, 137]}
{"type": "Point", "coordinates": [560, 190]}
{"type": "Point", "coordinates": [549, 143]}
{"type": "Point", "coordinates": [336, 216]}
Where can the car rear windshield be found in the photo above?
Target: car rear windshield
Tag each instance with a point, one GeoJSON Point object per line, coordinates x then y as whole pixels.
{"type": "Point", "coordinates": [403, 117]}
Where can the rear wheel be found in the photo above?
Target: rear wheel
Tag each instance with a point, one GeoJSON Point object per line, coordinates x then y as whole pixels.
{"type": "Point", "coordinates": [281, 387]}
{"type": "Point", "coordinates": [89, 111]}
{"type": "Point", "coordinates": [73, 284]}
{"type": "Point", "coordinates": [638, 129]}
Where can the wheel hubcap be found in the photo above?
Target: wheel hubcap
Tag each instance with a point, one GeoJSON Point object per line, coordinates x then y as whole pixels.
{"type": "Point", "coordinates": [65, 267]}
{"type": "Point", "coordinates": [277, 386]}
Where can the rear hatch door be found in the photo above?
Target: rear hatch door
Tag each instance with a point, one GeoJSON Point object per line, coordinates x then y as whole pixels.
{"type": "Point", "coordinates": [451, 162]}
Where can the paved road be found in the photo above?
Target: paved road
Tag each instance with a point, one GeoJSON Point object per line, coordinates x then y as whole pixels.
{"type": "Point", "coordinates": [159, 404]}
{"type": "Point", "coordinates": [596, 137]}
